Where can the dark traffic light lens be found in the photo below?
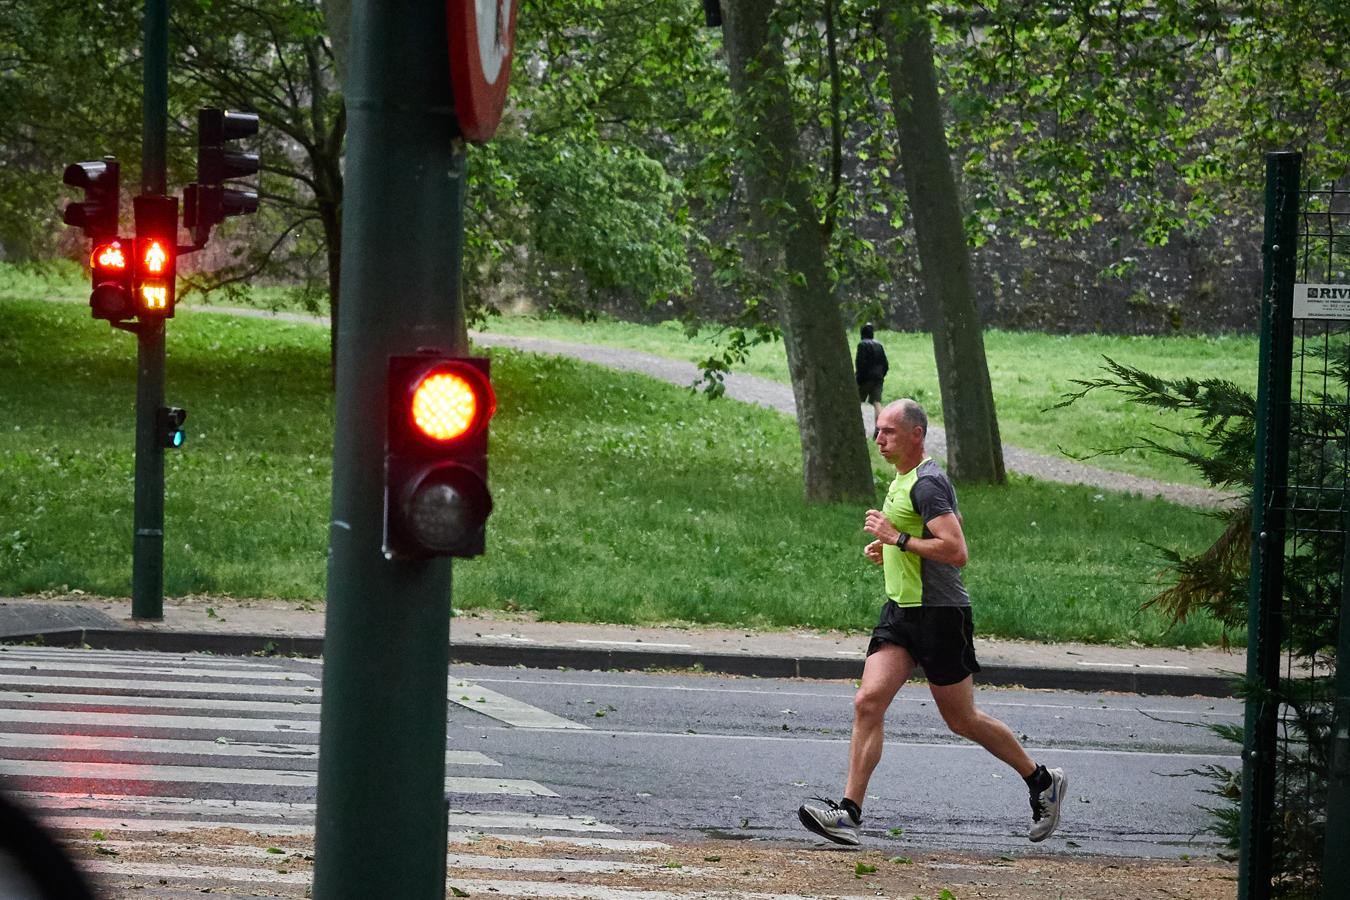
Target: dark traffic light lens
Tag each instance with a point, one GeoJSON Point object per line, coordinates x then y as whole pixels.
{"type": "Point", "coordinates": [439, 515]}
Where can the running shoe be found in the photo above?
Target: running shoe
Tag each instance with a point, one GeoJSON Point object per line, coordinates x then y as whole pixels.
{"type": "Point", "coordinates": [1045, 806]}
{"type": "Point", "coordinates": [830, 820]}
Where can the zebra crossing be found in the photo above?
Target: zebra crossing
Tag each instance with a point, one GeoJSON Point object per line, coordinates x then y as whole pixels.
{"type": "Point", "coordinates": [147, 766]}
{"type": "Point", "coordinates": [168, 776]}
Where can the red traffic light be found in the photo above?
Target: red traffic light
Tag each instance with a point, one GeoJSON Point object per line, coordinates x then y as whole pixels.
{"type": "Point", "coordinates": [110, 266]}
{"type": "Point", "coordinates": [109, 257]}
{"type": "Point", "coordinates": [436, 494]}
{"type": "Point", "coordinates": [156, 255]}
{"type": "Point", "coordinates": [449, 402]}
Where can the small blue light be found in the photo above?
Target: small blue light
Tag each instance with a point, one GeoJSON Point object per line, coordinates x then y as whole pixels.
{"type": "Point", "coordinates": [178, 438]}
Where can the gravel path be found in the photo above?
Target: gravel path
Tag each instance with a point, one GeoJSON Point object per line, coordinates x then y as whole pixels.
{"type": "Point", "coordinates": [771, 394]}
{"type": "Point", "coordinates": [776, 396]}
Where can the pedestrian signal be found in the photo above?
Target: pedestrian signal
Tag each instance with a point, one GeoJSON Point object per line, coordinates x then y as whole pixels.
{"type": "Point", "coordinates": [156, 255]}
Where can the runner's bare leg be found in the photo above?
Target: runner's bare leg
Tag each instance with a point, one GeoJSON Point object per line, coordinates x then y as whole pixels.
{"type": "Point", "coordinates": [884, 673]}
{"type": "Point", "coordinates": [956, 702]}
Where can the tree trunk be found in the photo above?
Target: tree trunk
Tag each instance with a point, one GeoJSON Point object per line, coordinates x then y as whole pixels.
{"type": "Point", "coordinates": [947, 300]}
{"type": "Point", "coordinates": [790, 254]}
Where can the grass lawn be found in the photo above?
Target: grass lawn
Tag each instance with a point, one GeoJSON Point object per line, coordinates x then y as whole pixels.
{"type": "Point", "coordinates": [619, 498]}
{"type": "Point", "coordinates": [1030, 372]}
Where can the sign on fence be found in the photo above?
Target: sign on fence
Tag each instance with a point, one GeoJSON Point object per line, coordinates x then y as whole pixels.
{"type": "Point", "coordinates": [1322, 301]}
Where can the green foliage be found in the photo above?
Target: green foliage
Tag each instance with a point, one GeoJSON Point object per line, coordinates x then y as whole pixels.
{"type": "Point", "coordinates": [564, 188]}
{"type": "Point", "coordinates": [1215, 582]}
{"type": "Point", "coordinates": [654, 493]}
{"type": "Point", "coordinates": [1157, 111]}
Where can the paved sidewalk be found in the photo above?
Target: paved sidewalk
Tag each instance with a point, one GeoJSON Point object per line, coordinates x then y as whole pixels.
{"type": "Point", "coordinates": [242, 627]}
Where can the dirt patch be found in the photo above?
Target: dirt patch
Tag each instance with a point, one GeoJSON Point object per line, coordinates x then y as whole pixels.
{"type": "Point", "coordinates": [716, 867]}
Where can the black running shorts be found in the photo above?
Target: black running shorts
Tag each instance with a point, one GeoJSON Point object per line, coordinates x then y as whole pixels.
{"type": "Point", "coordinates": [869, 391]}
{"type": "Point", "coordinates": [940, 638]}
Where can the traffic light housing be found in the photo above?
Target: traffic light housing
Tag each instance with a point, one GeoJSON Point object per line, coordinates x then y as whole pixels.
{"type": "Point", "coordinates": [155, 266]}
{"type": "Point", "coordinates": [169, 426]}
{"type": "Point", "coordinates": [110, 266]}
{"type": "Point", "coordinates": [97, 212]}
{"type": "Point", "coordinates": [436, 449]}
{"type": "Point", "coordinates": [208, 202]}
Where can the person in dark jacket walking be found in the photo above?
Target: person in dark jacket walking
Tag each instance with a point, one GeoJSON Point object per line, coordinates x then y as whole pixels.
{"type": "Point", "coordinates": [870, 367]}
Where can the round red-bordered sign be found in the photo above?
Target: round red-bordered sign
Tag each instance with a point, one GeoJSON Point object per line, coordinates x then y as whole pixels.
{"type": "Point", "coordinates": [482, 38]}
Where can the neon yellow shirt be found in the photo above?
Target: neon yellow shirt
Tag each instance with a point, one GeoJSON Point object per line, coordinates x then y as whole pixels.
{"type": "Point", "coordinates": [904, 581]}
{"type": "Point", "coordinates": [916, 498]}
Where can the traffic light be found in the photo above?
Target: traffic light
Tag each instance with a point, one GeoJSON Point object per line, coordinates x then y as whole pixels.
{"type": "Point", "coordinates": [436, 495]}
{"type": "Point", "coordinates": [97, 212]}
{"type": "Point", "coordinates": [712, 13]}
{"type": "Point", "coordinates": [110, 265]}
{"type": "Point", "coordinates": [156, 262]}
{"type": "Point", "coordinates": [169, 426]}
{"type": "Point", "coordinates": [208, 202]}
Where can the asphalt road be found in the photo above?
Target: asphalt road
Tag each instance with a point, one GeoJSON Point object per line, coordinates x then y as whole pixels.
{"type": "Point", "coordinates": [671, 754]}
{"type": "Point", "coordinates": [126, 754]}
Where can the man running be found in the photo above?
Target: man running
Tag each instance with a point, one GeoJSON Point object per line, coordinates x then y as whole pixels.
{"type": "Point", "coordinates": [926, 620]}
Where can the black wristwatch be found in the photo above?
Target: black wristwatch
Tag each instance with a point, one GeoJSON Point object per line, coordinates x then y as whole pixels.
{"type": "Point", "coordinates": [902, 540]}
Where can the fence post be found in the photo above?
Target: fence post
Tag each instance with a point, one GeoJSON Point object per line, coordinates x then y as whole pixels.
{"type": "Point", "coordinates": [1269, 489]}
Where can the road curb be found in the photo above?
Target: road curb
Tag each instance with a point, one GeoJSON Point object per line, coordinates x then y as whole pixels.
{"type": "Point", "coordinates": [1124, 680]}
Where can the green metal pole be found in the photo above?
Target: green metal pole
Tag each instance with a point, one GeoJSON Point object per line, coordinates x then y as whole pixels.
{"type": "Point", "coordinates": [1270, 478]}
{"type": "Point", "coordinates": [147, 549]}
{"type": "Point", "coordinates": [381, 820]}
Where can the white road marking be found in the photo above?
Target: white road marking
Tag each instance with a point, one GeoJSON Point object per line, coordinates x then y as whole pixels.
{"type": "Point", "coordinates": [796, 738]}
{"type": "Point", "coordinates": [7, 664]}
{"type": "Point", "coordinates": [505, 709]}
{"type": "Point", "coordinates": [256, 749]}
{"type": "Point", "coordinates": [917, 697]}
{"type": "Point", "coordinates": [1125, 665]}
{"type": "Point", "coordinates": [113, 826]}
{"type": "Point", "coordinates": [135, 700]}
{"type": "Point", "coordinates": [85, 824]}
{"type": "Point", "coordinates": [217, 875]}
{"type": "Point", "coordinates": [452, 860]}
{"type": "Point", "coordinates": [632, 643]}
{"type": "Point", "coordinates": [498, 888]}
{"type": "Point", "coordinates": [84, 771]}
{"type": "Point", "coordinates": [551, 889]}
{"type": "Point", "coordinates": [586, 866]}
{"type": "Point", "coordinates": [233, 810]}
{"type": "Point", "coordinates": [207, 723]}
{"type": "Point", "coordinates": [179, 687]}
{"type": "Point", "coordinates": [135, 657]}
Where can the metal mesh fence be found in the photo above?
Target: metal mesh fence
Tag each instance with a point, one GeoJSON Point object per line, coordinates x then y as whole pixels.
{"type": "Point", "coordinates": [1296, 816]}
{"type": "Point", "coordinates": [1316, 518]}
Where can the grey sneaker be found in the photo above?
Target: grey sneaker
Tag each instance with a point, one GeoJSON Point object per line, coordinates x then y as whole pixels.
{"type": "Point", "coordinates": [830, 820]}
{"type": "Point", "coordinates": [1045, 806]}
